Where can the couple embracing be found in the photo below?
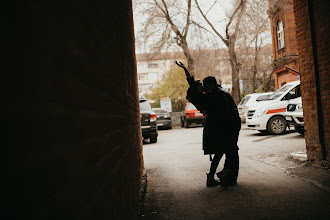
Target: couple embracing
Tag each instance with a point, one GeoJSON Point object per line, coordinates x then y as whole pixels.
{"type": "Point", "coordinates": [221, 127]}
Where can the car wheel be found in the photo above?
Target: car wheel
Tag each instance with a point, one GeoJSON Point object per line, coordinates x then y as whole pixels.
{"type": "Point", "coordinates": [300, 129]}
{"type": "Point", "coordinates": [170, 127]}
{"type": "Point", "coordinates": [276, 125]}
{"type": "Point", "coordinates": [153, 138]}
{"type": "Point", "coordinates": [186, 124]}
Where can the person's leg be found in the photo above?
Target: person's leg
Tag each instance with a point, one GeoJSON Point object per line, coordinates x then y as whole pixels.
{"type": "Point", "coordinates": [232, 165]}
{"type": "Point", "coordinates": [210, 182]}
{"type": "Point", "coordinates": [215, 162]}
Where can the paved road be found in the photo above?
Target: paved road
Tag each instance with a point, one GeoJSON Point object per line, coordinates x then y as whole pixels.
{"type": "Point", "coordinates": [176, 189]}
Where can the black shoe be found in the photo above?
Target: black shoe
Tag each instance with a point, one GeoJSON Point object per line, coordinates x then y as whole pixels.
{"type": "Point", "coordinates": [225, 178]}
{"type": "Point", "coordinates": [210, 181]}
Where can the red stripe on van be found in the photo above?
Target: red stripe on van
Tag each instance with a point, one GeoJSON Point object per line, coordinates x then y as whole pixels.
{"type": "Point", "coordinates": [271, 111]}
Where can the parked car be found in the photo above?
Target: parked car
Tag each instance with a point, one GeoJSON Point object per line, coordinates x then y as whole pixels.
{"type": "Point", "coordinates": [148, 121]}
{"type": "Point", "coordinates": [190, 114]}
{"type": "Point", "coordinates": [269, 115]}
{"type": "Point", "coordinates": [294, 115]}
{"type": "Point", "coordinates": [250, 100]}
{"type": "Point", "coordinates": [163, 118]}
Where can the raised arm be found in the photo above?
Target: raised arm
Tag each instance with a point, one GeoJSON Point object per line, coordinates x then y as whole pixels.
{"type": "Point", "coordinates": [190, 78]}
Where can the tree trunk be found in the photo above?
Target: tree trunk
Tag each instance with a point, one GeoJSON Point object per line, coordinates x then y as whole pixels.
{"type": "Point", "coordinates": [190, 60]}
{"type": "Point", "coordinates": [254, 73]}
{"type": "Point", "coordinates": [264, 81]}
{"type": "Point", "coordinates": [270, 82]}
{"type": "Point", "coordinates": [234, 73]}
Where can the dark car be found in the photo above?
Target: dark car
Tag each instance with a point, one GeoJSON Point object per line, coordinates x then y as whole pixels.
{"type": "Point", "coordinates": [190, 114]}
{"type": "Point", "coordinates": [163, 118]}
{"type": "Point", "coordinates": [148, 121]}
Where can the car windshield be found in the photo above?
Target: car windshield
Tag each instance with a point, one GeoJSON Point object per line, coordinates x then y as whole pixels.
{"type": "Point", "coordinates": [262, 97]}
{"type": "Point", "coordinates": [144, 106]}
{"type": "Point", "coordinates": [191, 107]}
{"type": "Point", "coordinates": [159, 111]}
{"type": "Point", "coordinates": [245, 100]}
{"type": "Point", "coordinates": [279, 92]}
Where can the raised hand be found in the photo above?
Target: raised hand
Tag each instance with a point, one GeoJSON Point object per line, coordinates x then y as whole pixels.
{"type": "Point", "coordinates": [180, 64]}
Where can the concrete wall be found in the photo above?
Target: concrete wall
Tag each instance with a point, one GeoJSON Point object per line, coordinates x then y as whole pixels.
{"type": "Point", "coordinates": [73, 148]}
{"type": "Point", "coordinates": [313, 25]}
{"type": "Point", "coordinates": [176, 119]}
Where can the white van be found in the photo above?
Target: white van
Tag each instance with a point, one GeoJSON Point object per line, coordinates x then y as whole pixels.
{"type": "Point", "coordinates": [250, 100]}
{"type": "Point", "coordinates": [269, 115]}
{"type": "Point", "coordinates": [294, 115]}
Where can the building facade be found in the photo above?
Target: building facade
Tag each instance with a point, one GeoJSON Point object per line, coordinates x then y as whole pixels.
{"type": "Point", "coordinates": [313, 34]}
{"type": "Point", "coordinates": [152, 68]}
{"type": "Point", "coordinates": [285, 48]}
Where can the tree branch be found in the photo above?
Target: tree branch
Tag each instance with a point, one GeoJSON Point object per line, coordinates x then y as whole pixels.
{"type": "Point", "coordinates": [210, 24]}
{"type": "Point", "coordinates": [240, 6]}
{"type": "Point", "coordinates": [168, 18]}
{"type": "Point", "coordinates": [211, 7]}
{"type": "Point", "coordinates": [186, 28]}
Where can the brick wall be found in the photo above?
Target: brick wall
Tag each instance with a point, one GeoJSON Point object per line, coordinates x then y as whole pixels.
{"type": "Point", "coordinates": [73, 144]}
{"type": "Point", "coordinates": [285, 78]}
{"type": "Point", "coordinates": [282, 10]}
{"type": "Point", "coordinates": [312, 36]}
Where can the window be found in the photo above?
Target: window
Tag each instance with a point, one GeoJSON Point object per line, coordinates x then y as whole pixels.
{"type": "Point", "coordinates": [279, 92]}
{"type": "Point", "coordinates": [295, 92]}
{"type": "Point", "coordinates": [245, 100]}
{"type": "Point", "coordinates": [142, 76]}
{"type": "Point", "coordinates": [159, 111]}
{"type": "Point", "coordinates": [191, 107]}
{"type": "Point", "coordinates": [262, 97]}
{"type": "Point", "coordinates": [141, 65]}
{"type": "Point", "coordinates": [144, 106]}
{"type": "Point", "coordinates": [153, 65]}
{"type": "Point", "coordinates": [280, 35]}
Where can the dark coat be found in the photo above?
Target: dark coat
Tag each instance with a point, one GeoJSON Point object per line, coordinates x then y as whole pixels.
{"type": "Point", "coordinates": [222, 124]}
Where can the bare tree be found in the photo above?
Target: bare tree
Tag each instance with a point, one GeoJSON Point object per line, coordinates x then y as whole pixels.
{"type": "Point", "coordinates": [173, 21]}
{"type": "Point", "coordinates": [229, 40]}
{"type": "Point", "coordinates": [255, 30]}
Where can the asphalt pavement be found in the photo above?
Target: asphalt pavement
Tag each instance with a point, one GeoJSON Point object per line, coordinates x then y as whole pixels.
{"type": "Point", "coordinates": [271, 185]}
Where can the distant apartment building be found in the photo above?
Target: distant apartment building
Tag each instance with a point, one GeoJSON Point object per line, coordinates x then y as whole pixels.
{"type": "Point", "coordinates": [151, 68]}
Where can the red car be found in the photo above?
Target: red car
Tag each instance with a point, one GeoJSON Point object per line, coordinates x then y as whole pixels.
{"type": "Point", "coordinates": [191, 115]}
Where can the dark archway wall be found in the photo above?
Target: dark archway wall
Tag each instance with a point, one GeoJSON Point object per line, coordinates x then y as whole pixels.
{"type": "Point", "coordinates": [73, 142]}
{"type": "Point", "coordinates": [313, 34]}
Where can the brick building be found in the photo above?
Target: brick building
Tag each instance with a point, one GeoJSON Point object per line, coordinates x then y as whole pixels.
{"type": "Point", "coordinates": [313, 33]}
{"type": "Point", "coordinates": [285, 49]}
{"type": "Point", "coordinates": [300, 31]}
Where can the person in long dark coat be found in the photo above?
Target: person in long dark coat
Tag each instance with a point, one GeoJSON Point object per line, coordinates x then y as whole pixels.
{"type": "Point", "coordinates": [221, 127]}
{"type": "Point", "coordinates": [221, 131]}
